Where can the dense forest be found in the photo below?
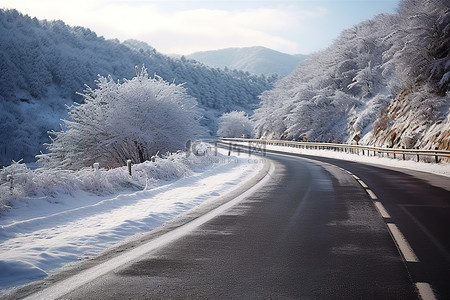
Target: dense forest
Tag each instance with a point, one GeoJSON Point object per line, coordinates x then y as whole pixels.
{"type": "Point", "coordinates": [44, 64]}
{"type": "Point", "coordinates": [385, 79]}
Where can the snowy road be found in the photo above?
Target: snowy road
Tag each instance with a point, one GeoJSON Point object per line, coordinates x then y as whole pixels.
{"type": "Point", "coordinates": [314, 230]}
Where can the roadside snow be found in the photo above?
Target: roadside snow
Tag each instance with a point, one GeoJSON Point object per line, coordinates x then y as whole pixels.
{"type": "Point", "coordinates": [440, 169]}
{"type": "Point", "coordinates": [42, 234]}
{"type": "Point", "coordinates": [430, 167]}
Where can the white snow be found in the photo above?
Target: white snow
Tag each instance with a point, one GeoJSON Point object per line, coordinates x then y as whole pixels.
{"type": "Point", "coordinates": [430, 167]}
{"type": "Point", "coordinates": [440, 169]}
{"type": "Point", "coordinates": [38, 235]}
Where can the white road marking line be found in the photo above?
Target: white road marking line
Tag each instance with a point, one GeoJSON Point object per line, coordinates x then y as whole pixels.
{"type": "Point", "coordinates": [402, 243]}
{"type": "Point", "coordinates": [61, 288]}
{"type": "Point", "coordinates": [371, 194]}
{"type": "Point", "coordinates": [363, 184]}
{"type": "Point", "coordinates": [425, 291]}
{"type": "Point", "coordinates": [381, 209]}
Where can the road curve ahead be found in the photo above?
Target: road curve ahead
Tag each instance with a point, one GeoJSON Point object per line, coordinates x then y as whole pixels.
{"type": "Point", "coordinates": [312, 231]}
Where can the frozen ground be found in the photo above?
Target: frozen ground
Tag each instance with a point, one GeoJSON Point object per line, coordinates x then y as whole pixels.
{"type": "Point", "coordinates": [42, 234]}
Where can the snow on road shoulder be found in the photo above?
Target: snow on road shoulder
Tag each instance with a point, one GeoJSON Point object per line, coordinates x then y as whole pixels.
{"type": "Point", "coordinates": [39, 236]}
{"type": "Point", "coordinates": [430, 167]}
{"type": "Point", "coordinates": [439, 169]}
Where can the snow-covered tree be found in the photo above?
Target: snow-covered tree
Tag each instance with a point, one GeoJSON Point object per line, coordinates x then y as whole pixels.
{"type": "Point", "coordinates": [235, 124]}
{"type": "Point", "coordinates": [44, 63]}
{"type": "Point", "coordinates": [120, 121]}
{"type": "Point", "coordinates": [329, 91]}
{"type": "Point", "coordinates": [349, 87]}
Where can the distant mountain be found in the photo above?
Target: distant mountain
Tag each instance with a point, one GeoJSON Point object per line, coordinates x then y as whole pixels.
{"type": "Point", "coordinates": [44, 64]}
{"type": "Point", "coordinates": [255, 60]}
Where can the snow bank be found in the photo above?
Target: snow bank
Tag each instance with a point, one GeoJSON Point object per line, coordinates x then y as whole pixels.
{"type": "Point", "coordinates": [62, 217]}
{"type": "Point", "coordinates": [440, 169]}
{"type": "Point", "coordinates": [50, 183]}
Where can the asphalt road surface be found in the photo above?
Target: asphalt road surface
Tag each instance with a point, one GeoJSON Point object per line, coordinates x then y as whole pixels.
{"type": "Point", "coordinates": [312, 231]}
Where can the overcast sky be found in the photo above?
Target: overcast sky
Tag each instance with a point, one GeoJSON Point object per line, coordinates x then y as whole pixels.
{"type": "Point", "coordinates": [186, 26]}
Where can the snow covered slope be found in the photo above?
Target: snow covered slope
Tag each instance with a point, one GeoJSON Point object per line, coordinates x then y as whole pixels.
{"type": "Point", "coordinates": [45, 63]}
{"type": "Point", "coordinates": [256, 60]}
{"type": "Point", "coordinates": [349, 88]}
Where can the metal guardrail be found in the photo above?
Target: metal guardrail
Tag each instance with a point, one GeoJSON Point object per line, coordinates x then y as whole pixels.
{"type": "Point", "coordinates": [356, 149]}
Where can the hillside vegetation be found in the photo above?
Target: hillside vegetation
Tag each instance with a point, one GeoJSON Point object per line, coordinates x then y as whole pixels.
{"type": "Point", "coordinates": [45, 63]}
{"type": "Point", "coordinates": [386, 79]}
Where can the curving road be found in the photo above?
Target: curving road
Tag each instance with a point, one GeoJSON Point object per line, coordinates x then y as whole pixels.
{"type": "Point", "coordinates": [313, 230]}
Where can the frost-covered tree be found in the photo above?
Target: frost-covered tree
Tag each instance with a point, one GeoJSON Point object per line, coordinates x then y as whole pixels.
{"type": "Point", "coordinates": [235, 124]}
{"type": "Point", "coordinates": [120, 121]}
{"type": "Point", "coordinates": [349, 87]}
{"type": "Point", "coordinates": [421, 45]}
{"type": "Point", "coordinates": [328, 97]}
{"type": "Point", "coordinates": [44, 63]}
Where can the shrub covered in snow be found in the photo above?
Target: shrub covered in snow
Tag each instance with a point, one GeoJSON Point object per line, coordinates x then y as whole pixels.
{"type": "Point", "coordinates": [235, 124]}
{"type": "Point", "coordinates": [119, 121]}
{"type": "Point", "coordinates": [43, 182]}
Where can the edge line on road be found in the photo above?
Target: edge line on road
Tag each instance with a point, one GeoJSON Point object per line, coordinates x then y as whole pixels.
{"type": "Point", "coordinates": [61, 288]}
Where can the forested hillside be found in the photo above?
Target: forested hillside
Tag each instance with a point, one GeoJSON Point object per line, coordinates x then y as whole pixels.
{"type": "Point", "coordinates": [386, 79]}
{"type": "Point", "coordinates": [45, 63]}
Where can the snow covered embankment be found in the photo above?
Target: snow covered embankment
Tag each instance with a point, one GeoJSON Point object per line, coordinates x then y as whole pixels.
{"type": "Point", "coordinates": [440, 169]}
{"type": "Point", "coordinates": [67, 222]}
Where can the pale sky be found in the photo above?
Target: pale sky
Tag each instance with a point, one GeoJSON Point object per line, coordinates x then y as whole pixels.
{"type": "Point", "coordinates": [187, 26]}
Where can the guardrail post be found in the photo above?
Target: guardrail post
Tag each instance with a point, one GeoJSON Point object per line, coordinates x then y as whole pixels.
{"type": "Point", "coordinates": [418, 158]}
{"type": "Point", "coordinates": [436, 158]}
{"type": "Point", "coordinates": [129, 166]}
{"type": "Point", "coordinates": [404, 158]}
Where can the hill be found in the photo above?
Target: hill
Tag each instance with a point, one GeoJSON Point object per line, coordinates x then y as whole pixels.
{"type": "Point", "coordinates": [255, 60]}
{"type": "Point", "coordinates": [385, 79]}
{"type": "Point", "coordinates": [44, 64]}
